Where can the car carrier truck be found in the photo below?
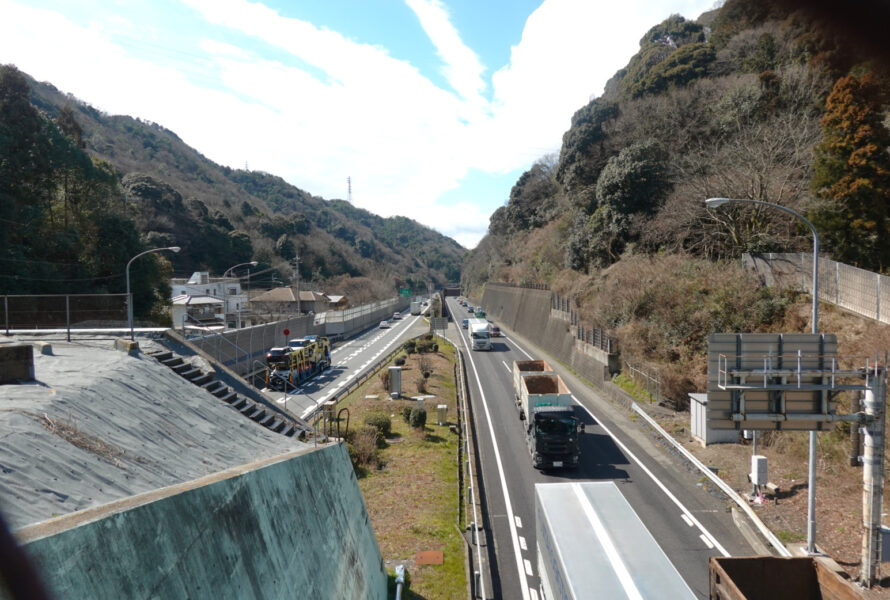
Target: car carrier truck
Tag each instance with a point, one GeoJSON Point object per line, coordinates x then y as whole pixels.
{"type": "Point", "coordinates": [307, 358]}
{"type": "Point", "coordinates": [591, 544]}
{"type": "Point", "coordinates": [545, 403]}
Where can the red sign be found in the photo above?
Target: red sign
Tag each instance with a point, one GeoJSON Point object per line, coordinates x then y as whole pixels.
{"type": "Point", "coordinates": [287, 332]}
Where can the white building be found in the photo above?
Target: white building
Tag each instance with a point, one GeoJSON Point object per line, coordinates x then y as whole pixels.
{"type": "Point", "coordinates": [220, 296]}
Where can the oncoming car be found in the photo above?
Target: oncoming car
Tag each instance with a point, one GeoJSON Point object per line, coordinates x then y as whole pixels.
{"type": "Point", "coordinates": [494, 331]}
{"type": "Point", "coordinates": [464, 323]}
{"type": "Point", "coordinates": [384, 325]}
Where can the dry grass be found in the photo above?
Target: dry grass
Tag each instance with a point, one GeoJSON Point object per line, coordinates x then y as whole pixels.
{"type": "Point", "coordinates": [413, 495]}
{"type": "Point", "coordinates": [68, 431]}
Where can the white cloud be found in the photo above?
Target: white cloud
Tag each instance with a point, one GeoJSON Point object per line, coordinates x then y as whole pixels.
{"type": "Point", "coordinates": [324, 107]}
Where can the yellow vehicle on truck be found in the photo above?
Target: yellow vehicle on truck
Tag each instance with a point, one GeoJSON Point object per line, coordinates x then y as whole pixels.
{"type": "Point", "coordinates": [308, 357]}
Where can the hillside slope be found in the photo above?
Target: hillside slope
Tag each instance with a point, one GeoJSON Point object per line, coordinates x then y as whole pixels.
{"type": "Point", "coordinates": [222, 216]}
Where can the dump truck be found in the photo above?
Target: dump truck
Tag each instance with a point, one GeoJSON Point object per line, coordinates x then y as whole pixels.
{"type": "Point", "coordinates": [591, 544]}
{"type": "Point", "coordinates": [545, 404]}
{"type": "Point", "coordinates": [308, 357]}
{"type": "Point", "coordinates": [777, 578]}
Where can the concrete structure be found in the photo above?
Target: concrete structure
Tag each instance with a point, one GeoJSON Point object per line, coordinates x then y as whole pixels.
{"type": "Point", "coordinates": [16, 363]}
{"type": "Point", "coordinates": [703, 434]}
{"type": "Point", "coordinates": [224, 289]}
{"type": "Point", "coordinates": [293, 526]}
{"type": "Point", "coordinates": [207, 312]}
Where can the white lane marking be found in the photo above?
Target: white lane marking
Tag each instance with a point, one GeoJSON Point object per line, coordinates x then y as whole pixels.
{"type": "Point", "coordinates": [534, 593]}
{"type": "Point", "coordinates": [657, 481]}
{"type": "Point", "coordinates": [528, 567]}
{"type": "Point", "coordinates": [652, 476]}
{"type": "Point", "coordinates": [518, 522]}
{"type": "Point", "coordinates": [518, 347]}
{"type": "Point", "coordinates": [707, 542]}
{"type": "Point", "coordinates": [618, 566]}
{"type": "Point", "coordinates": [500, 465]}
{"type": "Point", "coordinates": [688, 522]}
{"type": "Point", "coordinates": [522, 543]}
{"type": "Point", "coordinates": [507, 367]}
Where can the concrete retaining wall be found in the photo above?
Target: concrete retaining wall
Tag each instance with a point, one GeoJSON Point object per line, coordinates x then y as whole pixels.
{"type": "Point", "coordinates": [527, 311]}
{"type": "Point", "coordinates": [286, 527]}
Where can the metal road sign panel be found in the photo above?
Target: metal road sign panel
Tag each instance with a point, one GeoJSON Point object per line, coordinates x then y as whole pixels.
{"type": "Point", "coordinates": [771, 380]}
{"type": "Point", "coordinates": [406, 292]}
{"type": "Point", "coordinates": [439, 323]}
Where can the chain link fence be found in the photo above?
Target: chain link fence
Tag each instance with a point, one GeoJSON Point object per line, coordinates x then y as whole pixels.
{"type": "Point", "coordinates": [63, 311]}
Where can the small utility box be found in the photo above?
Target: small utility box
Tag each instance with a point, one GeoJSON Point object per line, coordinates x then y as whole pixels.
{"type": "Point", "coordinates": [328, 408]}
{"type": "Point", "coordinates": [442, 414]}
{"type": "Point", "coordinates": [759, 474]}
{"type": "Point", "coordinates": [698, 410]}
{"type": "Point", "coordinates": [395, 382]}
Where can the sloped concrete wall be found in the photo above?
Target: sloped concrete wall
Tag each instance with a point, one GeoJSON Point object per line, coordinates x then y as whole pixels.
{"type": "Point", "coordinates": [287, 527]}
{"type": "Point", "coordinates": [527, 311]}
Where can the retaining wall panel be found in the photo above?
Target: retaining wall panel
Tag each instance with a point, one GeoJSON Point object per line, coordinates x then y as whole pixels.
{"type": "Point", "coordinates": [294, 528]}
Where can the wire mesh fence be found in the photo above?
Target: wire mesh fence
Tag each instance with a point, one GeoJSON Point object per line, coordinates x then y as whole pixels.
{"type": "Point", "coordinates": [646, 377]}
{"type": "Point", "coordinates": [860, 291]}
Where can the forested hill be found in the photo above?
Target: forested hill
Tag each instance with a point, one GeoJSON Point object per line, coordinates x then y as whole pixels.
{"type": "Point", "coordinates": [89, 163]}
{"type": "Point", "coordinates": [776, 101]}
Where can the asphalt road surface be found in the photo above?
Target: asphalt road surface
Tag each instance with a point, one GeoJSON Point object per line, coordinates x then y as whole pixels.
{"type": "Point", "coordinates": [688, 522]}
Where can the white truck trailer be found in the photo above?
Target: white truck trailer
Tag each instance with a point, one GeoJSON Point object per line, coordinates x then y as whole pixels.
{"type": "Point", "coordinates": [591, 544]}
{"type": "Point", "coordinates": [553, 432]}
{"type": "Point", "coordinates": [480, 336]}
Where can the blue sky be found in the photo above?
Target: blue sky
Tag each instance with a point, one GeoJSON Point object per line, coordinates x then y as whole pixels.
{"type": "Point", "coordinates": [434, 108]}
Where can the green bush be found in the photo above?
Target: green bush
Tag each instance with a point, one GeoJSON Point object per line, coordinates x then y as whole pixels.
{"type": "Point", "coordinates": [406, 413]}
{"type": "Point", "coordinates": [410, 346]}
{"type": "Point", "coordinates": [399, 361]}
{"type": "Point", "coordinates": [381, 422]}
{"type": "Point", "coordinates": [418, 417]}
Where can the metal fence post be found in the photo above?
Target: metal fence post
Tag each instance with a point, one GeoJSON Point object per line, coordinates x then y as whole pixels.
{"type": "Point", "coordinates": [68, 316]}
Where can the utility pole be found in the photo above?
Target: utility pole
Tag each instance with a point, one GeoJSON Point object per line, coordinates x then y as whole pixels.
{"type": "Point", "coordinates": [296, 278]}
{"type": "Point", "coordinates": [349, 189]}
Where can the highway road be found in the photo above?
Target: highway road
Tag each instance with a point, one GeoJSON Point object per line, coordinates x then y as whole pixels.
{"type": "Point", "coordinates": [349, 360]}
{"type": "Point", "coordinates": [688, 522]}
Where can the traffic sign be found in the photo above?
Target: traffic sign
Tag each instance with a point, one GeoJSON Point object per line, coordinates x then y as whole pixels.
{"type": "Point", "coordinates": [406, 292]}
{"type": "Point", "coordinates": [287, 332]}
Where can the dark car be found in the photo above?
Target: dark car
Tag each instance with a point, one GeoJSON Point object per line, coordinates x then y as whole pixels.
{"type": "Point", "coordinates": [277, 356]}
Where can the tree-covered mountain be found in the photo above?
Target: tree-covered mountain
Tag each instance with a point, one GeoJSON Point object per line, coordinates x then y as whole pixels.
{"type": "Point", "coordinates": [68, 170]}
{"type": "Point", "coordinates": [778, 101]}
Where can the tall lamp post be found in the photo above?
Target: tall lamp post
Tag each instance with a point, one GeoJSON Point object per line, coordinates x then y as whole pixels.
{"type": "Point", "coordinates": [129, 295]}
{"type": "Point", "coordinates": [811, 488]}
{"type": "Point", "coordinates": [252, 263]}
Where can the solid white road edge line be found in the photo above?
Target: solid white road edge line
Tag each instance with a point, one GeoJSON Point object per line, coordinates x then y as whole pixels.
{"type": "Point", "coordinates": [520, 567]}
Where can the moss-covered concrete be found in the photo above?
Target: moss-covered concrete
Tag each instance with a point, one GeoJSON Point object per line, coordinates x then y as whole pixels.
{"type": "Point", "coordinates": [288, 527]}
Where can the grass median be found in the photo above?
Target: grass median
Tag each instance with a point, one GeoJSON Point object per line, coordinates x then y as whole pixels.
{"type": "Point", "coordinates": [408, 474]}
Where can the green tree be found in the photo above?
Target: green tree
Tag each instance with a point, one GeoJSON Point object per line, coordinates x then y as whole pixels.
{"type": "Point", "coordinates": [851, 175]}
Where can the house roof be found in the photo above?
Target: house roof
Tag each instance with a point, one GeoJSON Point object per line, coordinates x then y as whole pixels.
{"type": "Point", "coordinates": [281, 294]}
{"type": "Point", "coordinates": [308, 296]}
{"type": "Point", "coordinates": [196, 300]}
{"type": "Point", "coordinates": [334, 299]}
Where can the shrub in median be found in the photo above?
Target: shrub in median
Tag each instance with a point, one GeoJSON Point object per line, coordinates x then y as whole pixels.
{"type": "Point", "coordinates": [381, 422]}
{"type": "Point", "coordinates": [418, 417]}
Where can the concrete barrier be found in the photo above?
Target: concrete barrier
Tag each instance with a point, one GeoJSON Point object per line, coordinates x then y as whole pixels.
{"type": "Point", "coordinates": [286, 527]}
{"type": "Point", "coordinates": [16, 363]}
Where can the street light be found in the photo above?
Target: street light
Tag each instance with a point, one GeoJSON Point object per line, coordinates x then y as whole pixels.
{"type": "Point", "coordinates": [252, 263]}
{"type": "Point", "coordinates": [129, 295]}
{"type": "Point", "coordinates": [811, 488]}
